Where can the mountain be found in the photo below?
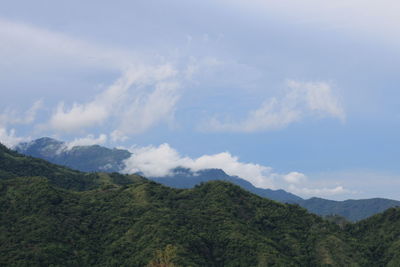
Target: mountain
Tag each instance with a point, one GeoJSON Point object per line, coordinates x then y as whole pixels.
{"type": "Point", "coordinates": [185, 178]}
{"type": "Point", "coordinates": [47, 218]}
{"type": "Point", "coordinates": [97, 158]}
{"type": "Point", "coordinates": [379, 237]}
{"type": "Point", "coordinates": [13, 164]}
{"type": "Point", "coordinates": [143, 223]}
{"type": "Point", "coordinates": [84, 158]}
{"type": "Point", "coordinates": [353, 210]}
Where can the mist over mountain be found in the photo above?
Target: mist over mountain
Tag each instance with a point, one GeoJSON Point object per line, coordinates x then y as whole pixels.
{"type": "Point", "coordinates": [98, 158]}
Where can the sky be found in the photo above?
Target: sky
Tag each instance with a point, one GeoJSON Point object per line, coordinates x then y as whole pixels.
{"type": "Point", "coordinates": [299, 95]}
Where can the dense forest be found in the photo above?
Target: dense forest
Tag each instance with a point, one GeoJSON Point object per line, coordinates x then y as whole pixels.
{"type": "Point", "coordinates": [54, 216]}
{"type": "Point", "coordinates": [95, 158]}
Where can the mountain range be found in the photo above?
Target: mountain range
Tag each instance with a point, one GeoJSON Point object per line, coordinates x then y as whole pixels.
{"type": "Point", "coordinates": [101, 159]}
{"type": "Point", "coordinates": [51, 215]}
{"type": "Point", "coordinates": [84, 158]}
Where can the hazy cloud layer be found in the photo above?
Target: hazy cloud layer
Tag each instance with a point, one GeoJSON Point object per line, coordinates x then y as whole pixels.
{"type": "Point", "coordinates": [11, 116]}
{"type": "Point", "coordinates": [302, 99]}
{"type": "Point", "coordinates": [34, 46]}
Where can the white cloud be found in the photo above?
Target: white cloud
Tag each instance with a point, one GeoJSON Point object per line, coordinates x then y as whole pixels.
{"type": "Point", "coordinates": [318, 97]}
{"type": "Point", "coordinates": [300, 184]}
{"type": "Point", "coordinates": [321, 192]}
{"type": "Point", "coordinates": [141, 98]}
{"type": "Point", "coordinates": [154, 161]}
{"type": "Point", "coordinates": [87, 141]}
{"type": "Point", "coordinates": [9, 138]}
{"type": "Point", "coordinates": [148, 110]}
{"type": "Point", "coordinates": [9, 117]}
{"type": "Point", "coordinates": [294, 177]}
{"type": "Point", "coordinates": [159, 161]}
{"type": "Point", "coordinates": [258, 175]}
{"type": "Point", "coordinates": [118, 136]}
{"type": "Point", "coordinates": [300, 100]}
{"type": "Point", "coordinates": [12, 117]}
{"type": "Point", "coordinates": [78, 117]}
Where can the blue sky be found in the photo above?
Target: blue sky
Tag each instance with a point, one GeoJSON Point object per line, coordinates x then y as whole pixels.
{"type": "Point", "coordinates": [299, 95]}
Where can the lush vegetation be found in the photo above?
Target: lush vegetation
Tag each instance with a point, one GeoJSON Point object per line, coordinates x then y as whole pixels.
{"type": "Point", "coordinates": [215, 224]}
{"type": "Point", "coordinates": [13, 164]}
{"type": "Point", "coordinates": [97, 158]}
{"type": "Point", "coordinates": [379, 237]}
{"type": "Point", "coordinates": [54, 219]}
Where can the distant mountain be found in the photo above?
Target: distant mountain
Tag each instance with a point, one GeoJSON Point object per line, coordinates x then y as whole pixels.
{"type": "Point", "coordinates": [14, 165]}
{"type": "Point", "coordinates": [101, 159]}
{"type": "Point", "coordinates": [185, 178]}
{"type": "Point", "coordinates": [97, 158]}
{"type": "Point", "coordinates": [353, 210]}
{"type": "Point", "coordinates": [84, 158]}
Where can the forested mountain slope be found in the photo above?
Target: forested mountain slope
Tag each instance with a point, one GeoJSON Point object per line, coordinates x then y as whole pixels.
{"type": "Point", "coordinates": [213, 224]}
{"type": "Point", "coordinates": [98, 158]}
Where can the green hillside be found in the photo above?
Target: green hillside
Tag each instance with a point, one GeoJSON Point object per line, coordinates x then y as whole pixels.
{"type": "Point", "coordinates": [13, 164]}
{"type": "Point", "coordinates": [98, 158]}
{"type": "Point", "coordinates": [215, 224]}
{"type": "Point", "coordinates": [49, 218]}
{"type": "Point", "coordinates": [379, 237]}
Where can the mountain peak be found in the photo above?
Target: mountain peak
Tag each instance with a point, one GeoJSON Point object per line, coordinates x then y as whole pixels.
{"type": "Point", "coordinates": [84, 158]}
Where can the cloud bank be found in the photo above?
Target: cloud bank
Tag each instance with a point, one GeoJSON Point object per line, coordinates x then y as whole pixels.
{"type": "Point", "coordinates": [159, 161]}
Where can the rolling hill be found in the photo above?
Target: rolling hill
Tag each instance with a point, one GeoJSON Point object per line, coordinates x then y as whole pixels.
{"type": "Point", "coordinates": [54, 216]}
{"type": "Point", "coordinates": [101, 159]}
{"type": "Point", "coordinates": [144, 223]}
